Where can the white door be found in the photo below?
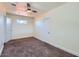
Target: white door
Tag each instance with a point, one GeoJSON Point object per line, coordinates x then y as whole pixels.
{"type": "Point", "coordinates": [46, 28]}
{"type": "Point", "coordinates": [43, 29]}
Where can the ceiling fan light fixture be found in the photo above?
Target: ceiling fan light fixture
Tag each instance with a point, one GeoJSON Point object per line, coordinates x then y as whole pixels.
{"type": "Point", "coordinates": [29, 11]}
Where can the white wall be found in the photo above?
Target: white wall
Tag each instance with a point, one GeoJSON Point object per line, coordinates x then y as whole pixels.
{"type": "Point", "coordinates": [2, 26]}
{"type": "Point", "coordinates": [2, 31]}
{"type": "Point", "coordinates": [60, 27]}
{"type": "Point", "coordinates": [22, 30]}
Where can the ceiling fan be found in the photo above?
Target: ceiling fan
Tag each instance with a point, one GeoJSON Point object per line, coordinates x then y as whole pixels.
{"type": "Point", "coordinates": [28, 7]}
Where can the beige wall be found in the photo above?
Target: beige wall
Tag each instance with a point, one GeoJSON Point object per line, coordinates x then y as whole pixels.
{"type": "Point", "coordinates": [60, 27]}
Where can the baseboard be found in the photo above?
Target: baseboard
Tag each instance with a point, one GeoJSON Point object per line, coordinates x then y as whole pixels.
{"type": "Point", "coordinates": [65, 49]}
{"type": "Point", "coordinates": [16, 36]}
{"type": "Point", "coordinates": [19, 37]}
{"type": "Point", "coordinates": [60, 47]}
{"type": "Point", "coordinates": [1, 49]}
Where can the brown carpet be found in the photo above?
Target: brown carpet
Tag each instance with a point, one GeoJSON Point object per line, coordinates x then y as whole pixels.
{"type": "Point", "coordinates": [32, 47]}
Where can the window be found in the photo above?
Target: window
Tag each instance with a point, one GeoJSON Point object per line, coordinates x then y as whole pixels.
{"type": "Point", "coordinates": [8, 20]}
{"type": "Point", "coordinates": [22, 21]}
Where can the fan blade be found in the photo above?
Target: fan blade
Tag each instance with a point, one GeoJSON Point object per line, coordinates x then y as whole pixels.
{"type": "Point", "coordinates": [28, 9]}
{"type": "Point", "coordinates": [28, 5]}
{"type": "Point", "coordinates": [34, 11]}
{"type": "Point", "coordinates": [13, 4]}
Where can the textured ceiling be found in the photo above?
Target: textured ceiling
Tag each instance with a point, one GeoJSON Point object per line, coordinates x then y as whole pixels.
{"type": "Point", "coordinates": [41, 7]}
{"type": "Point", "coordinates": [46, 6]}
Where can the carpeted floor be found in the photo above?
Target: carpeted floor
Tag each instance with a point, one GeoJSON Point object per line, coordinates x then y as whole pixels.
{"type": "Point", "coordinates": [32, 47]}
